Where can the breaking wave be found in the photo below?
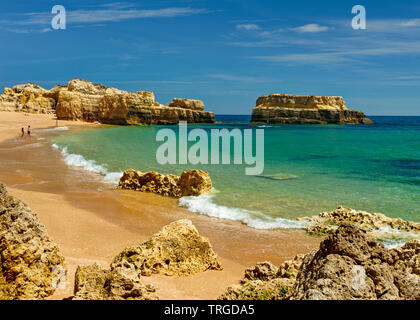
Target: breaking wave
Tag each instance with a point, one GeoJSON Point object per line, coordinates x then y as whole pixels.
{"type": "Point", "coordinates": [203, 205]}
{"type": "Point", "coordinates": [77, 160]}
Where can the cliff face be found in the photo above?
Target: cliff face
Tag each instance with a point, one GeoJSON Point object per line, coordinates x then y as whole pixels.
{"type": "Point", "coordinates": [27, 98]}
{"type": "Point", "coordinates": [294, 109]}
{"type": "Point", "coordinates": [83, 100]}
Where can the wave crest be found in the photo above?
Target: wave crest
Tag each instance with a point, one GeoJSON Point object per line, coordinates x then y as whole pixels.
{"type": "Point", "coordinates": [203, 205]}
{"type": "Point", "coordinates": [77, 160]}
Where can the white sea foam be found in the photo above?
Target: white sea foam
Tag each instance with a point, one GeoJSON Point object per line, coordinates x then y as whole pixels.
{"type": "Point", "coordinates": [393, 238]}
{"type": "Point", "coordinates": [113, 177]}
{"type": "Point", "coordinates": [64, 128]}
{"type": "Point", "coordinates": [203, 204]}
{"type": "Point", "coordinates": [78, 160]}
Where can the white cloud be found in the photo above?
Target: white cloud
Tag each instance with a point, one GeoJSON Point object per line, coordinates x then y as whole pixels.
{"type": "Point", "coordinates": [348, 53]}
{"type": "Point", "coordinates": [104, 15]}
{"type": "Point", "coordinates": [26, 31]}
{"type": "Point", "coordinates": [247, 27]}
{"type": "Point", "coordinates": [312, 28]}
{"type": "Point", "coordinates": [411, 23]}
{"type": "Point", "coordinates": [305, 58]}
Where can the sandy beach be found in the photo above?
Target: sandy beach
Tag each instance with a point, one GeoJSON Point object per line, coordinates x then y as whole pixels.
{"type": "Point", "coordinates": [92, 222]}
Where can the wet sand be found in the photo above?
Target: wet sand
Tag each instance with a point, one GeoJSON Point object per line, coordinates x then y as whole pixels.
{"type": "Point", "coordinates": [92, 222]}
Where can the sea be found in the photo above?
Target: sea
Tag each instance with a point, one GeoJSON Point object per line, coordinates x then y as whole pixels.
{"type": "Point", "coordinates": [308, 169]}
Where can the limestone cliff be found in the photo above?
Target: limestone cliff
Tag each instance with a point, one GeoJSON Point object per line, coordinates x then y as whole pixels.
{"type": "Point", "coordinates": [83, 100]}
{"type": "Point", "coordinates": [295, 109]}
{"type": "Point", "coordinates": [27, 98]}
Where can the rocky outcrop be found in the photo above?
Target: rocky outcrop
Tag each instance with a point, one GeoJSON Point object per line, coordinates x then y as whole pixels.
{"type": "Point", "coordinates": [190, 183]}
{"type": "Point", "coordinates": [326, 222]}
{"type": "Point", "coordinates": [265, 281]}
{"type": "Point", "coordinates": [177, 249]}
{"type": "Point", "coordinates": [28, 98]}
{"type": "Point", "coordinates": [31, 265]}
{"type": "Point", "coordinates": [350, 265]}
{"type": "Point", "coordinates": [187, 104]}
{"type": "Point", "coordinates": [295, 109]}
{"type": "Point", "coordinates": [95, 283]}
{"type": "Point", "coordinates": [86, 101]}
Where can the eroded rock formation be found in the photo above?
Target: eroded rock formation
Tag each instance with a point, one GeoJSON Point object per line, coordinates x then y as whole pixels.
{"type": "Point", "coordinates": [178, 249]}
{"type": "Point", "coordinates": [190, 183]}
{"type": "Point", "coordinates": [326, 222]}
{"type": "Point", "coordinates": [96, 283]}
{"type": "Point", "coordinates": [83, 100]}
{"type": "Point", "coordinates": [31, 265]}
{"type": "Point", "coordinates": [295, 109]}
{"type": "Point", "coordinates": [187, 104]}
{"type": "Point", "coordinates": [349, 265]}
{"type": "Point", "coordinates": [265, 281]}
{"type": "Point", "coordinates": [27, 98]}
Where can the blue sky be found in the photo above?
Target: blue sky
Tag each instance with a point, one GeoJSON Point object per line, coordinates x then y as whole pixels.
{"type": "Point", "coordinates": [225, 53]}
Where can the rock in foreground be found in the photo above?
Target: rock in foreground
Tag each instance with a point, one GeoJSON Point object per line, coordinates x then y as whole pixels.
{"type": "Point", "coordinates": [350, 265]}
{"type": "Point", "coordinates": [265, 281]}
{"type": "Point", "coordinates": [190, 183]}
{"type": "Point", "coordinates": [295, 109]}
{"type": "Point", "coordinates": [95, 283]}
{"type": "Point", "coordinates": [177, 249]}
{"type": "Point", "coordinates": [31, 265]}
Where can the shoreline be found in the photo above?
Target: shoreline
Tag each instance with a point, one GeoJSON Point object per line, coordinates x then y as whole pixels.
{"type": "Point", "coordinates": [91, 225]}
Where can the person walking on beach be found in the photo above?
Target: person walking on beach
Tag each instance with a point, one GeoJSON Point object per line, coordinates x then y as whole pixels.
{"type": "Point", "coordinates": [29, 130]}
{"type": "Point", "coordinates": [23, 131]}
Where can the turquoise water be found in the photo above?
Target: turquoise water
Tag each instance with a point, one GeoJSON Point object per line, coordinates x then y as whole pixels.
{"type": "Point", "coordinates": [308, 169]}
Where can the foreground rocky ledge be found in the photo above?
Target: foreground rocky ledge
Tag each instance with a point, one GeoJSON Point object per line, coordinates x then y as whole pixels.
{"type": "Point", "coordinates": [83, 100]}
{"type": "Point", "coordinates": [348, 265]}
{"type": "Point", "coordinates": [190, 183]}
{"type": "Point", "coordinates": [31, 265]}
{"type": "Point", "coordinates": [295, 109]}
{"type": "Point", "coordinates": [177, 249]}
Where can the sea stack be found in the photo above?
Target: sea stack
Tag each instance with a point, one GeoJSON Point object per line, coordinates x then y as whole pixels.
{"type": "Point", "coordinates": [296, 109]}
{"type": "Point", "coordinates": [86, 101]}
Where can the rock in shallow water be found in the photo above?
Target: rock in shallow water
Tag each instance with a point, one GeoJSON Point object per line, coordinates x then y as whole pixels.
{"type": "Point", "coordinates": [190, 183]}
{"type": "Point", "coordinates": [296, 109]}
{"type": "Point", "coordinates": [31, 265]}
{"type": "Point", "coordinates": [326, 222]}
